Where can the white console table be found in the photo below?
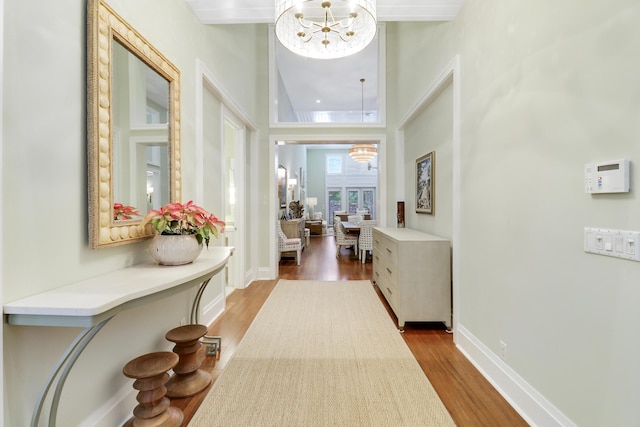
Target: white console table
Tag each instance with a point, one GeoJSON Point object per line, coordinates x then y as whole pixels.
{"type": "Point", "coordinates": [93, 302]}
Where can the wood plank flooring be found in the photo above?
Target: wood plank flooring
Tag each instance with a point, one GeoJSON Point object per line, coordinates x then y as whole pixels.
{"type": "Point", "coordinates": [468, 396]}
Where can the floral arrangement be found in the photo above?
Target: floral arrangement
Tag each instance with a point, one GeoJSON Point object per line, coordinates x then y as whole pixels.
{"type": "Point", "coordinates": [187, 218]}
{"type": "Point", "coordinates": [121, 212]}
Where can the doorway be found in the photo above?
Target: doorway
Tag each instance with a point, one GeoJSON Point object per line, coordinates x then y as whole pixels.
{"type": "Point", "coordinates": [233, 137]}
{"type": "Point", "coordinates": [312, 142]}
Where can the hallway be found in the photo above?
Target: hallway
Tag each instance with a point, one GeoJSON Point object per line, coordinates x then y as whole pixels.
{"type": "Point", "coordinates": [468, 396]}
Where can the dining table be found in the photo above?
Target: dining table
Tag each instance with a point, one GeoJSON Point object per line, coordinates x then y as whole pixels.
{"type": "Point", "coordinates": [351, 227]}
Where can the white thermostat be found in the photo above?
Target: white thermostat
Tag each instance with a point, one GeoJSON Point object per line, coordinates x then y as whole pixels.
{"type": "Point", "coordinates": [607, 177]}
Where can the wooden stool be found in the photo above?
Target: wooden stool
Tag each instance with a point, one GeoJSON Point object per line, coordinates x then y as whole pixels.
{"type": "Point", "coordinates": [188, 379]}
{"type": "Point", "coordinates": [150, 373]}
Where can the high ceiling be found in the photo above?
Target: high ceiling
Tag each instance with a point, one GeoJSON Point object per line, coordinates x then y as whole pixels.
{"type": "Point", "coordinates": [335, 83]}
{"type": "Point", "coordinates": [262, 11]}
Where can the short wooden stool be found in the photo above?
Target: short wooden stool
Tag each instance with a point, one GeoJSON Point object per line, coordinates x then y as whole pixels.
{"type": "Point", "coordinates": [188, 379]}
{"type": "Point", "coordinates": [150, 373]}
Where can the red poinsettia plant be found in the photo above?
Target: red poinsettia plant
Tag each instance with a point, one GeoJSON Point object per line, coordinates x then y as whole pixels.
{"type": "Point", "coordinates": [185, 218]}
{"type": "Point", "coordinates": [122, 212]}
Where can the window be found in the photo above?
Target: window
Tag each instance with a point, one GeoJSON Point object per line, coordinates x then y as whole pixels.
{"type": "Point", "coordinates": [335, 203]}
{"type": "Point", "coordinates": [369, 200]}
{"type": "Point", "coordinates": [334, 165]}
{"type": "Point", "coordinates": [362, 198]}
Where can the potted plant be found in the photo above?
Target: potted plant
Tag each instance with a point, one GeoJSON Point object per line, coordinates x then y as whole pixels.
{"type": "Point", "coordinates": [182, 228]}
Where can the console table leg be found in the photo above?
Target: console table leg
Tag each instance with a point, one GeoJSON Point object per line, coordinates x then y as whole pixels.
{"type": "Point", "coordinates": [67, 360]}
{"type": "Point", "coordinates": [213, 343]}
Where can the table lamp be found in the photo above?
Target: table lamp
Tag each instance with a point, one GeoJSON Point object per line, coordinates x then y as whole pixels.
{"type": "Point", "coordinates": [312, 202]}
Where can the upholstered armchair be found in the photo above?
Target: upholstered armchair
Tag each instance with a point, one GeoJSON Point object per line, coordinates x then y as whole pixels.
{"type": "Point", "coordinates": [342, 239]}
{"type": "Point", "coordinates": [365, 240]}
{"type": "Point", "coordinates": [288, 244]}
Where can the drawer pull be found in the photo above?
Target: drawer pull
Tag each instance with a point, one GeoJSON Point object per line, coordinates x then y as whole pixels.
{"type": "Point", "coordinates": [377, 259]}
{"type": "Point", "coordinates": [388, 250]}
{"type": "Point", "coordinates": [377, 274]}
{"type": "Point", "coordinates": [389, 290]}
{"type": "Point", "coordinates": [390, 272]}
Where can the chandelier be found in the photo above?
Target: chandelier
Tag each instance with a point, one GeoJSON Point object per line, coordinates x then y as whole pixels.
{"type": "Point", "coordinates": [362, 153]}
{"type": "Point", "coordinates": [310, 28]}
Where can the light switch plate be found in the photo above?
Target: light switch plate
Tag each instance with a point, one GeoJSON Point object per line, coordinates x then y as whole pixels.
{"type": "Point", "coordinates": [615, 243]}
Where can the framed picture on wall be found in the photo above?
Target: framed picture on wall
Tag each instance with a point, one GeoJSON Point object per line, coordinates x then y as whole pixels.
{"type": "Point", "coordinates": [425, 188]}
{"type": "Point", "coordinates": [282, 186]}
{"type": "Point", "coordinates": [302, 180]}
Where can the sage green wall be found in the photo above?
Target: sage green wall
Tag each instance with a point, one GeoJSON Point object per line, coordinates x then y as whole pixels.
{"type": "Point", "coordinates": [410, 72]}
{"type": "Point", "coordinates": [316, 179]}
{"type": "Point", "coordinates": [546, 87]}
{"type": "Point", "coordinates": [292, 157]}
{"type": "Point", "coordinates": [316, 160]}
{"type": "Point", "coordinates": [431, 131]}
{"type": "Point", "coordinates": [45, 195]}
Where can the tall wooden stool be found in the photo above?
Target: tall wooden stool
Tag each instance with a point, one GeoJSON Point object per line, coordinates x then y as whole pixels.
{"type": "Point", "coordinates": [150, 373]}
{"type": "Point", "coordinates": [188, 379]}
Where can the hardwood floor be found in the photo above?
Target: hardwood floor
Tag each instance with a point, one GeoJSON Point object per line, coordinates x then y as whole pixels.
{"type": "Point", "coordinates": [468, 396]}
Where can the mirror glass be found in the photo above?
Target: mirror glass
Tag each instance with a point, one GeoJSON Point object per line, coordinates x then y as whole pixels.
{"type": "Point", "coordinates": [133, 146]}
{"type": "Point", "coordinates": [140, 114]}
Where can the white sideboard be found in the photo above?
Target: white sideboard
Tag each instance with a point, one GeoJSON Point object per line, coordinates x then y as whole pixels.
{"type": "Point", "coordinates": [413, 271]}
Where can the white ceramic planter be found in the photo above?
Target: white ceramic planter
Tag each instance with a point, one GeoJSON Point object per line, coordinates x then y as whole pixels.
{"type": "Point", "coordinates": [175, 250]}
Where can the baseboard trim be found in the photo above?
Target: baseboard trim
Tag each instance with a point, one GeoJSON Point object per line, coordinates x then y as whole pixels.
{"type": "Point", "coordinates": [211, 311]}
{"type": "Point", "coordinates": [265, 273]}
{"type": "Point", "coordinates": [526, 400]}
{"type": "Point", "coordinates": [115, 412]}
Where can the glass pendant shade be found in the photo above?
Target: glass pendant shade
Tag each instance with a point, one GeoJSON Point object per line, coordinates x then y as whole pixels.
{"type": "Point", "coordinates": [362, 153]}
{"type": "Point", "coordinates": [325, 29]}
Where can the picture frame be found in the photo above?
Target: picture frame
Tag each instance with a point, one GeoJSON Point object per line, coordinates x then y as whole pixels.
{"type": "Point", "coordinates": [282, 186]}
{"type": "Point", "coordinates": [301, 182]}
{"type": "Point", "coordinates": [425, 183]}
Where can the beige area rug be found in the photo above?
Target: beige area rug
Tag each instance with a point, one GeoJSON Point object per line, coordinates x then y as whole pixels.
{"type": "Point", "coordinates": [322, 354]}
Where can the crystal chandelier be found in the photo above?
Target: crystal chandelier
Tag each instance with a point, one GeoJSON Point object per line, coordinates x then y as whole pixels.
{"type": "Point", "coordinates": [362, 153]}
{"type": "Point", "coordinates": [322, 30]}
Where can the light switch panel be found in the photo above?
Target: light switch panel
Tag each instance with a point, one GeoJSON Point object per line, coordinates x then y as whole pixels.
{"type": "Point", "coordinates": [614, 243]}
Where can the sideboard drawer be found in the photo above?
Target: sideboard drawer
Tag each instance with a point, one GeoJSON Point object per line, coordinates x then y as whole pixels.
{"type": "Point", "coordinates": [387, 288]}
{"type": "Point", "coordinates": [387, 247]}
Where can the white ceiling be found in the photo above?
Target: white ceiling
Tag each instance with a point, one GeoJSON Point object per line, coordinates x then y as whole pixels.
{"type": "Point", "coordinates": [263, 11]}
{"type": "Point", "coordinates": [336, 83]}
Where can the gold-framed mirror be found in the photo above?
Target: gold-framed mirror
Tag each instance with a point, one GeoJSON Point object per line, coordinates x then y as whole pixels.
{"type": "Point", "coordinates": [133, 129]}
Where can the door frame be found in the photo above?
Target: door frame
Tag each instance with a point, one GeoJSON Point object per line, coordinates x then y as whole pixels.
{"type": "Point", "coordinates": [320, 138]}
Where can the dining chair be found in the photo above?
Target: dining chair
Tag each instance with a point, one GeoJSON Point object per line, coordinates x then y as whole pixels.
{"type": "Point", "coordinates": [342, 239]}
{"type": "Point", "coordinates": [354, 218]}
{"type": "Point", "coordinates": [288, 244]}
{"type": "Point", "coordinates": [365, 240]}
